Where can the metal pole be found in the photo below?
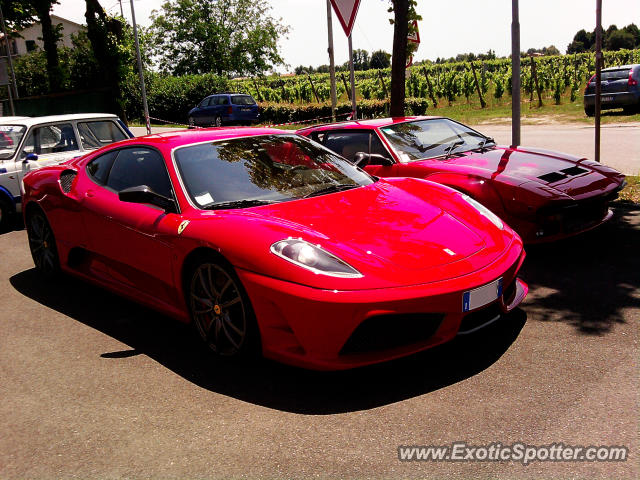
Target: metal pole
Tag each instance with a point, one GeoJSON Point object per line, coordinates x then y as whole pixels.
{"type": "Point", "coordinates": [144, 91]}
{"type": "Point", "coordinates": [354, 112]}
{"type": "Point", "coordinates": [515, 74]}
{"type": "Point", "coordinates": [121, 11]}
{"type": "Point", "coordinates": [332, 66]}
{"type": "Point", "coordinates": [598, 74]}
{"type": "Point", "coordinates": [10, 63]}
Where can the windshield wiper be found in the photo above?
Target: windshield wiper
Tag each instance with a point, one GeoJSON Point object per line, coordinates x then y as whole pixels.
{"type": "Point", "coordinates": [452, 147]}
{"type": "Point", "coordinates": [331, 189]}
{"type": "Point", "coordinates": [238, 204]}
{"type": "Point", "coordinates": [484, 142]}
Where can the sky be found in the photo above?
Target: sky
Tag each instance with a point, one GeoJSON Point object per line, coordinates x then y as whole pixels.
{"type": "Point", "coordinates": [447, 27]}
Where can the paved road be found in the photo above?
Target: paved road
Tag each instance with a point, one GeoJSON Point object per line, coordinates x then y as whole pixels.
{"type": "Point", "coordinates": [620, 143]}
{"type": "Point", "coordinates": [93, 386]}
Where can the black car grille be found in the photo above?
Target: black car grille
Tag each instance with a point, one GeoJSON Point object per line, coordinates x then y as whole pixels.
{"type": "Point", "coordinates": [385, 332]}
{"type": "Point", "coordinates": [66, 180]}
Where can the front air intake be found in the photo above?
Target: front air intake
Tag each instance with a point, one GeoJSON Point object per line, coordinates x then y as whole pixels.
{"type": "Point", "coordinates": [66, 180]}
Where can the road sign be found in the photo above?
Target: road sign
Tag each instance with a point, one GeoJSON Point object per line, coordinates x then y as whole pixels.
{"type": "Point", "coordinates": [346, 11]}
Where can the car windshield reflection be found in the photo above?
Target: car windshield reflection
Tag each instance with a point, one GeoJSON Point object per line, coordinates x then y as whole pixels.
{"type": "Point", "coordinates": [253, 171]}
{"type": "Point", "coordinates": [432, 138]}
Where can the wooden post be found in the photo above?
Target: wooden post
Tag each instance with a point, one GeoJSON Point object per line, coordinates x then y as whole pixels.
{"type": "Point", "coordinates": [346, 86]}
{"type": "Point", "coordinates": [282, 88]}
{"type": "Point", "coordinates": [535, 79]}
{"type": "Point", "coordinates": [255, 84]}
{"type": "Point", "coordinates": [483, 104]}
{"type": "Point", "coordinates": [598, 76]}
{"type": "Point", "coordinates": [313, 87]}
{"type": "Point", "coordinates": [433, 97]}
{"type": "Point", "coordinates": [384, 87]}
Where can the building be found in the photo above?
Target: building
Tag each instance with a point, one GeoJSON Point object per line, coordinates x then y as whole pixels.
{"type": "Point", "coordinates": [31, 37]}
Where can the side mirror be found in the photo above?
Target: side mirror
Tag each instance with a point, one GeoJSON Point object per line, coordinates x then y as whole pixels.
{"type": "Point", "coordinates": [31, 157]}
{"type": "Point", "coordinates": [144, 194]}
{"type": "Point", "coordinates": [362, 159]}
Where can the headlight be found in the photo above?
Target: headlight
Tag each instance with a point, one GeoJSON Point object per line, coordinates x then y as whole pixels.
{"type": "Point", "coordinates": [484, 211]}
{"type": "Point", "coordinates": [314, 258]}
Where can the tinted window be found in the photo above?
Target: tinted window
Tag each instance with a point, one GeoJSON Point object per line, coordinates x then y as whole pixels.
{"type": "Point", "coordinates": [139, 166]}
{"type": "Point", "coordinates": [99, 168]}
{"type": "Point", "coordinates": [51, 139]}
{"type": "Point", "coordinates": [347, 143]}
{"type": "Point", "coordinates": [205, 102]}
{"type": "Point", "coordinates": [267, 169]}
{"type": "Point", "coordinates": [616, 75]}
{"type": "Point", "coordinates": [98, 134]}
{"type": "Point", "coordinates": [242, 100]}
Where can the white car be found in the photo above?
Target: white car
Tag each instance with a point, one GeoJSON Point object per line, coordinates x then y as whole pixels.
{"type": "Point", "coordinates": [28, 143]}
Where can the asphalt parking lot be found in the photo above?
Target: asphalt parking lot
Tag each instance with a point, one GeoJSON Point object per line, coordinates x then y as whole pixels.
{"type": "Point", "coordinates": [94, 386]}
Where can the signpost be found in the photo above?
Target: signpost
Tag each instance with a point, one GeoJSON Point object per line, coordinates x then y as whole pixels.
{"type": "Point", "coordinates": [346, 11]}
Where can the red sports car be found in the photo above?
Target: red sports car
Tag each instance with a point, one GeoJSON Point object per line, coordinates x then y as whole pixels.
{"type": "Point", "coordinates": [543, 195]}
{"type": "Point", "coordinates": [269, 243]}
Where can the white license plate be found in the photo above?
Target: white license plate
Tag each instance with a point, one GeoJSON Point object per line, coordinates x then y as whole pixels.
{"type": "Point", "coordinates": [606, 99]}
{"type": "Point", "coordinates": [246, 109]}
{"type": "Point", "coordinates": [481, 296]}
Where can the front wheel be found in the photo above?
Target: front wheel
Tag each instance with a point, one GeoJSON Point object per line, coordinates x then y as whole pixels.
{"type": "Point", "coordinates": [221, 311]}
{"type": "Point", "coordinates": [218, 121]}
{"type": "Point", "coordinates": [192, 122]}
{"type": "Point", "coordinates": [42, 244]}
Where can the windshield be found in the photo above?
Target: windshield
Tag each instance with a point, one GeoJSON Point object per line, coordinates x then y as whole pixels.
{"type": "Point", "coordinates": [250, 171]}
{"type": "Point", "coordinates": [432, 138]}
{"type": "Point", "coordinates": [10, 138]}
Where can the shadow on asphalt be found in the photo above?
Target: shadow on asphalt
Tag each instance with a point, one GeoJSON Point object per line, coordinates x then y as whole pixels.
{"type": "Point", "coordinates": [176, 346]}
{"type": "Point", "coordinates": [590, 279]}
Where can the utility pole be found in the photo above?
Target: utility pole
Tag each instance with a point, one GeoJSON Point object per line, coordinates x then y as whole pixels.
{"type": "Point", "coordinates": [144, 91]}
{"type": "Point", "coordinates": [121, 11]}
{"type": "Point", "coordinates": [515, 74]}
{"type": "Point", "coordinates": [598, 74]}
{"type": "Point", "coordinates": [332, 66]}
{"type": "Point", "coordinates": [354, 112]}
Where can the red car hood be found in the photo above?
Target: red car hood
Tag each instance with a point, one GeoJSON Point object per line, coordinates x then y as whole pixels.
{"type": "Point", "coordinates": [564, 173]}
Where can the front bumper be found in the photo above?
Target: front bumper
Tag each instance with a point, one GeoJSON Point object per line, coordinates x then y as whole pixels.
{"type": "Point", "coordinates": [333, 330]}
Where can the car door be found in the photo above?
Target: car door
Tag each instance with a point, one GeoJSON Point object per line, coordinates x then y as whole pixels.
{"type": "Point", "coordinates": [50, 144]}
{"type": "Point", "coordinates": [130, 242]}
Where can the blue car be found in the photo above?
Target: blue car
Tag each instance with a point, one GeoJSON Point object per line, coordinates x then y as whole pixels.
{"type": "Point", "coordinates": [224, 109]}
{"type": "Point", "coordinates": [620, 89]}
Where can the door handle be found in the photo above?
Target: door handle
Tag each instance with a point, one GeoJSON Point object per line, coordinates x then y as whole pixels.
{"type": "Point", "coordinates": [90, 193]}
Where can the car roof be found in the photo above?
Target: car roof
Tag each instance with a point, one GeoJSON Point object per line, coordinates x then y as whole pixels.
{"type": "Point", "coordinates": [367, 124]}
{"type": "Point", "coordinates": [30, 121]}
{"type": "Point", "coordinates": [177, 138]}
{"type": "Point", "coordinates": [621, 67]}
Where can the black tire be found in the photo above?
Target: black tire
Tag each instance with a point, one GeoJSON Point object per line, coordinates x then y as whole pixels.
{"type": "Point", "coordinates": [42, 244]}
{"type": "Point", "coordinates": [6, 215]}
{"type": "Point", "coordinates": [589, 111]}
{"type": "Point", "coordinates": [220, 309]}
{"type": "Point", "coordinates": [192, 123]}
{"type": "Point", "coordinates": [217, 121]}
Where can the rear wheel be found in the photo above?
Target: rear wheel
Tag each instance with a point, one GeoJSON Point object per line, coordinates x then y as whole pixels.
{"type": "Point", "coordinates": [218, 121]}
{"type": "Point", "coordinates": [590, 111]}
{"type": "Point", "coordinates": [221, 311]}
{"type": "Point", "coordinates": [42, 244]}
{"type": "Point", "coordinates": [192, 122]}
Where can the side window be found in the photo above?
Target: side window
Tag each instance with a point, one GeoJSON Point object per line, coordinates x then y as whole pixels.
{"type": "Point", "coordinates": [99, 133]}
{"type": "Point", "coordinates": [378, 147]}
{"type": "Point", "coordinates": [139, 166]}
{"type": "Point", "coordinates": [347, 143]}
{"type": "Point", "coordinates": [205, 102]}
{"type": "Point", "coordinates": [51, 139]}
{"type": "Point", "coordinates": [99, 168]}
{"type": "Point", "coordinates": [223, 100]}
{"type": "Point", "coordinates": [29, 145]}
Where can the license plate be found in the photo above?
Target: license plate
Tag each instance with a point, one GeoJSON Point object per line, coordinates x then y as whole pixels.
{"type": "Point", "coordinates": [606, 99]}
{"type": "Point", "coordinates": [246, 109]}
{"type": "Point", "coordinates": [481, 296]}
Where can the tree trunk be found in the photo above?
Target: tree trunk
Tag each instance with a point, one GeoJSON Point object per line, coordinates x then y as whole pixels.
{"type": "Point", "coordinates": [399, 59]}
{"type": "Point", "coordinates": [50, 40]}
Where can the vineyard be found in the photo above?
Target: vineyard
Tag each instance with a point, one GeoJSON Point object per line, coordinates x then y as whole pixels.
{"type": "Point", "coordinates": [289, 98]}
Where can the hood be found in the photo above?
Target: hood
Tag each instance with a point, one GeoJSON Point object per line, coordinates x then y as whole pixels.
{"type": "Point", "coordinates": [566, 174]}
{"type": "Point", "coordinates": [395, 232]}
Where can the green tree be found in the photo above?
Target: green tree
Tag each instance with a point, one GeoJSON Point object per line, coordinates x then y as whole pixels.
{"type": "Point", "coordinates": [50, 37]}
{"type": "Point", "coordinates": [360, 59]}
{"type": "Point", "coordinates": [619, 39]}
{"type": "Point", "coordinates": [232, 37]}
{"type": "Point", "coordinates": [380, 59]}
{"type": "Point", "coordinates": [18, 14]}
{"type": "Point", "coordinates": [582, 42]}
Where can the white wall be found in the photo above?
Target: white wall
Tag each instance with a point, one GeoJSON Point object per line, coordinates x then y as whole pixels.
{"type": "Point", "coordinates": [34, 32]}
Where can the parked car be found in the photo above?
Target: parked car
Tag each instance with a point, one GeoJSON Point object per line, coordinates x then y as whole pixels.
{"type": "Point", "coordinates": [28, 143]}
{"type": "Point", "coordinates": [543, 195]}
{"type": "Point", "coordinates": [224, 109]}
{"type": "Point", "coordinates": [620, 89]}
{"type": "Point", "coordinates": [269, 243]}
